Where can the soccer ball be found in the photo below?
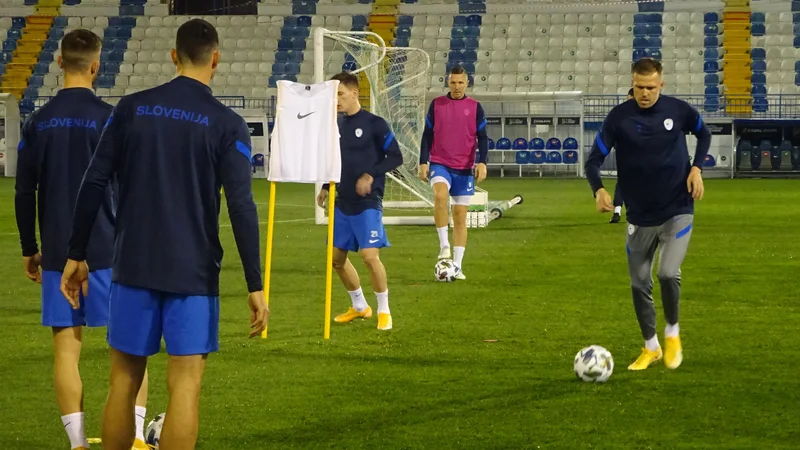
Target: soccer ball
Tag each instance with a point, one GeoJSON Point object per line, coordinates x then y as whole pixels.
{"type": "Point", "coordinates": [445, 270]}
{"type": "Point", "coordinates": [594, 363]}
{"type": "Point", "coordinates": [152, 434]}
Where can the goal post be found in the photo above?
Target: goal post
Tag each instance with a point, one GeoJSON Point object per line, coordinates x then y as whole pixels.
{"type": "Point", "coordinates": [398, 80]}
{"type": "Point", "coordinates": [9, 134]}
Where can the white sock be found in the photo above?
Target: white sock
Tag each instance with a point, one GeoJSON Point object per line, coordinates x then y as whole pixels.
{"type": "Point", "coordinates": [383, 302]}
{"type": "Point", "coordinates": [141, 413]}
{"type": "Point", "coordinates": [652, 343]}
{"type": "Point", "coordinates": [458, 255]}
{"type": "Point", "coordinates": [359, 302]}
{"type": "Point", "coordinates": [672, 330]}
{"type": "Point", "coordinates": [618, 210]}
{"type": "Point", "coordinates": [443, 241]}
{"type": "Point", "coordinates": [73, 425]}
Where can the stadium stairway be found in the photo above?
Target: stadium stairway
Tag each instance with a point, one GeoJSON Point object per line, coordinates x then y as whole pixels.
{"type": "Point", "coordinates": [30, 36]}
{"type": "Point", "coordinates": [738, 65]}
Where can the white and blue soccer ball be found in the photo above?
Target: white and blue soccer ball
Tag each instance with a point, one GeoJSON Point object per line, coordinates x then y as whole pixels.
{"type": "Point", "coordinates": [152, 434]}
{"type": "Point", "coordinates": [445, 270]}
{"type": "Point", "coordinates": [594, 364]}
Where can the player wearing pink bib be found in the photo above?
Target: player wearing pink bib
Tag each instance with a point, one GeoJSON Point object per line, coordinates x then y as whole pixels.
{"type": "Point", "coordinates": [454, 128]}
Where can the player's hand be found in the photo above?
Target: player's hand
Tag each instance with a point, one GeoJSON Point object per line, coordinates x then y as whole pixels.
{"type": "Point", "coordinates": [695, 183]}
{"type": "Point", "coordinates": [259, 313]}
{"type": "Point", "coordinates": [32, 265]}
{"type": "Point", "coordinates": [480, 173]}
{"type": "Point", "coordinates": [74, 281]}
{"type": "Point", "coordinates": [322, 197]}
{"type": "Point", "coordinates": [423, 172]}
{"type": "Point", "coordinates": [364, 185]}
{"type": "Point", "coordinates": [602, 201]}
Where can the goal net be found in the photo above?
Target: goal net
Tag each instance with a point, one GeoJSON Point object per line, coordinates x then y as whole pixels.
{"type": "Point", "coordinates": [396, 79]}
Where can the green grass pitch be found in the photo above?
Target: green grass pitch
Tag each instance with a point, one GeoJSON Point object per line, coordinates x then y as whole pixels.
{"type": "Point", "coordinates": [544, 281]}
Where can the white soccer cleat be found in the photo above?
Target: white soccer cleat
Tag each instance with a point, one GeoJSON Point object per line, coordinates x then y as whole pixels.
{"type": "Point", "coordinates": [444, 253]}
{"type": "Point", "coordinates": [460, 275]}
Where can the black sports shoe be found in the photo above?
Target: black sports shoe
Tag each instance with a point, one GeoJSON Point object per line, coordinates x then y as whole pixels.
{"type": "Point", "coordinates": [614, 218]}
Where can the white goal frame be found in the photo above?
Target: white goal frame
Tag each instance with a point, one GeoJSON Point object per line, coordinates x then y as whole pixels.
{"type": "Point", "coordinates": [320, 217]}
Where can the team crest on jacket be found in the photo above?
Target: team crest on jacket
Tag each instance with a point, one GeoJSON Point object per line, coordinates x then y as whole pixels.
{"type": "Point", "coordinates": [359, 132]}
{"type": "Point", "coordinates": [466, 112]}
{"type": "Point", "coordinates": [668, 124]}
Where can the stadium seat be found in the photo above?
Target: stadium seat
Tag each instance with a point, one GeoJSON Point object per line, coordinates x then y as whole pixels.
{"type": "Point", "coordinates": [536, 144]}
{"type": "Point", "coordinates": [764, 156]}
{"type": "Point", "coordinates": [522, 157]}
{"type": "Point", "coordinates": [785, 151]}
{"type": "Point", "coordinates": [520, 144]}
{"type": "Point", "coordinates": [503, 144]}
{"type": "Point", "coordinates": [570, 144]}
{"type": "Point", "coordinates": [744, 154]}
{"type": "Point", "coordinates": [554, 157]}
{"type": "Point", "coordinates": [538, 157]}
{"type": "Point", "coordinates": [553, 144]}
{"type": "Point", "coordinates": [570, 157]}
{"type": "Point", "coordinates": [491, 144]}
{"type": "Point", "coordinates": [709, 161]}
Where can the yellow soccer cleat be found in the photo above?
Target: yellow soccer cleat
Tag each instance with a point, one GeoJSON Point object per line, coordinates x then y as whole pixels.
{"type": "Point", "coordinates": [645, 359]}
{"type": "Point", "coordinates": [138, 444]}
{"type": "Point", "coordinates": [673, 356]}
{"type": "Point", "coordinates": [352, 315]}
{"type": "Point", "coordinates": [384, 321]}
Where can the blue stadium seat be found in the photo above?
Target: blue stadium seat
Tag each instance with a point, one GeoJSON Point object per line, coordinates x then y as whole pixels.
{"type": "Point", "coordinates": [712, 79]}
{"type": "Point", "coordinates": [638, 54]}
{"type": "Point", "coordinates": [710, 67]}
{"type": "Point", "coordinates": [536, 144]}
{"type": "Point", "coordinates": [292, 68]}
{"type": "Point", "coordinates": [460, 21]}
{"type": "Point", "coordinates": [758, 29]}
{"type": "Point", "coordinates": [758, 90]}
{"type": "Point", "coordinates": [712, 90]}
{"type": "Point", "coordinates": [278, 68]}
{"type": "Point", "coordinates": [456, 43]}
{"type": "Point", "coordinates": [709, 161]}
{"type": "Point", "coordinates": [5, 57]}
{"type": "Point", "coordinates": [570, 143]}
{"type": "Point", "coordinates": [503, 144]}
{"type": "Point", "coordinates": [471, 43]}
{"type": "Point", "coordinates": [257, 161]}
{"type": "Point", "coordinates": [759, 66]}
{"type": "Point", "coordinates": [405, 20]}
{"type": "Point", "coordinates": [36, 81]}
{"type": "Point", "coordinates": [571, 157]}
{"type": "Point", "coordinates": [14, 34]}
{"type": "Point", "coordinates": [491, 141]}
{"type": "Point", "coordinates": [111, 68]}
{"type": "Point", "coordinates": [522, 157]}
{"type": "Point", "coordinates": [56, 33]}
{"type": "Point", "coordinates": [9, 45]}
{"type": "Point", "coordinates": [758, 78]}
{"type": "Point", "coordinates": [60, 21]}
{"type": "Point", "coordinates": [711, 41]}
{"type": "Point", "coordinates": [711, 30]}
{"type": "Point", "coordinates": [2, 68]}
{"type": "Point", "coordinates": [403, 33]}
{"type": "Point", "coordinates": [640, 42]}
{"type": "Point", "coordinates": [401, 42]}
{"type": "Point", "coordinates": [472, 32]}
{"type": "Point", "coordinates": [520, 144]}
{"type": "Point", "coordinates": [640, 30]}
{"type": "Point", "coordinates": [654, 53]}
{"type": "Point", "coordinates": [538, 157]}
{"type": "Point", "coordinates": [711, 103]}
{"type": "Point", "coordinates": [554, 157]}
{"type": "Point", "coordinates": [360, 21]}
{"type": "Point", "coordinates": [31, 92]}
{"type": "Point", "coordinates": [474, 20]}
{"type": "Point", "coordinates": [744, 155]}
{"type": "Point", "coordinates": [18, 22]}
{"type": "Point", "coordinates": [711, 17]}
{"type": "Point", "coordinates": [26, 106]}
{"type": "Point", "coordinates": [41, 68]}
{"type": "Point", "coordinates": [758, 53]}
{"type": "Point", "coordinates": [458, 33]}
{"type": "Point", "coordinates": [284, 44]}
{"type": "Point", "coordinates": [641, 18]}
{"type": "Point", "coordinates": [553, 144]}
{"type": "Point", "coordinates": [760, 104]}
{"type": "Point", "coordinates": [654, 29]}
{"type": "Point", "coordinates": [711, 53]}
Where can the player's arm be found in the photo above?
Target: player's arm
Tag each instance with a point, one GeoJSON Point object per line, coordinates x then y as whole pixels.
{"type": "Point", "coordinates": [483, 137]}
{"type": "Point", "coordinates": [386, 141]}
{"type": "Point", "coordinates": [95, 180]}
{"type": "Point", "coordinates": [601, 147]}
{"type": "Point", "coordinates": [25, 201]}
{"type": "Point", "coordinates": [427, 138]}
{"type": "Point", "coordinates": [236, 177]}
{"type": "Point", "coordinates": [694, 124]}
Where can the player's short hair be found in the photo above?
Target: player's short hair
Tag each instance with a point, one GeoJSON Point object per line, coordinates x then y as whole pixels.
{"type": "Point", "coordinates": [347, 79]}
{"type": "Point", "coordinates": [457, 70]}
{"type": "Point", "coordinates": [630, 92]}
{"type": "Point", "coordinates": [196, 42]}
{"type": "Point", "coordinates": [646, 66]}
{"type": "Point", "coordinates": [79, 49]}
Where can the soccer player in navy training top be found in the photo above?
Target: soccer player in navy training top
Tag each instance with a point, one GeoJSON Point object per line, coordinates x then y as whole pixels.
{"type": "Point", "coordinates": [659, 186]}
{"type": "Point", "coordinates": [454, 128]}
{"type": "Point", "coordinates": [57, 143]}
{"type": "Point", "coordinates": [618, 202]}
{"type": "Point", "coordinates": [171, 149]}
{"type": "Point", "coordinates": [369, 150]}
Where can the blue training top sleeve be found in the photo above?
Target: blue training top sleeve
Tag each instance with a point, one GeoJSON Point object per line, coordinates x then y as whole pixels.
{"type": "Point", "coordinates": [97, 177]}
{"type": "Point", "coordinates": [427, 137]}
{"type": "Point", "coordinates": [26, 184]}
{"type": "Point", "coordinates": [603, 143]}
{"type": "Point", "coordinates": [693, 123]}
{"type": "Point", "coordinates": [234, 170]}
{"type": "Point", "coordinates": [386, 141]}
{"type": "Point", "coordinates": [483, 137]}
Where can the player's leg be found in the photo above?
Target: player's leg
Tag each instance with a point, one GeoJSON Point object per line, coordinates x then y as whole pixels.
{"type": "Point", "coordinates": [134, 333]}
{"type": "Point", "coordinates": [344, 240]}
{"type": "Point", "coordinates": [66, 325]}
{"type": "Point", "coordinates": [617, 204]}
{"type": "Point", "coordinates": [461, 190]}
{"type": "Point", "coordinates": [641, 248]}
{"type": "Point", "coordinates": [440, 181]}
{"type": "Point", "coordinates": [97, 308]}
{"type": "Point", "coordinates": [674, 237]}
{"type": "Point", "coordinates": [191, 332]}
{"type": "Point", "coordinates": [371, 236]}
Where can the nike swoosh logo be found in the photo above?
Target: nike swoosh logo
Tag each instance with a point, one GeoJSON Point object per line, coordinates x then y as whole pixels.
{"type": "Point", "coordinates": [372, 241]}
{"type": "Point", "coordinates": [300, 116]}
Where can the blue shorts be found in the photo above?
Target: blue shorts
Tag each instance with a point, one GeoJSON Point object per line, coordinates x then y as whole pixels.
{"type": "Point", "coordinates": [364, 230]}
{"type": "Point", "coordinates": [56, 310]}
{"type": "Point", "coordinates": [459, 185]}
{"type": "Point", "coordinates": [139, 317]}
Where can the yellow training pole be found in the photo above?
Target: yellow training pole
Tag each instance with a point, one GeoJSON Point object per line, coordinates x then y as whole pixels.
{"type": "Point", "coordinates": [329, 267]}
{"type": "Point", "coordinates": [268, 264]}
